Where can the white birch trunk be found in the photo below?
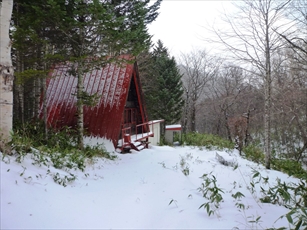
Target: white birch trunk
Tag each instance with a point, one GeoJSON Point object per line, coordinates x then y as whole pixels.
{"type": "Point", "coordinates": [80, 104]}
{"type": "Point", "coordinates": [6, 72]}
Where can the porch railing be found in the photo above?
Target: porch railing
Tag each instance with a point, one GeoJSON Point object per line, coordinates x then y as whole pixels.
{"type": "Point", "coordinates": [140, 129]}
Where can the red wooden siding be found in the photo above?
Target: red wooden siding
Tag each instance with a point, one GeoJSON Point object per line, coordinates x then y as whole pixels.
{"type": "Point", "coordinates": [104, 119]}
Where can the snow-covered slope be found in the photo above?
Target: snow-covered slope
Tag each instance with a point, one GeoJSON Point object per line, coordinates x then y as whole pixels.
{"type": "Point", "coordinates": [157, 188]}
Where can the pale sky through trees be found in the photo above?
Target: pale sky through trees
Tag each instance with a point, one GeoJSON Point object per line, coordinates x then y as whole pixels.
{"type": "Point", "coordinates": [180, 24]}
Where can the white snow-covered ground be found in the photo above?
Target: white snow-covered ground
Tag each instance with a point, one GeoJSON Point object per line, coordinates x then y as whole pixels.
{"type": "Point", "coordinates": [140, 190]}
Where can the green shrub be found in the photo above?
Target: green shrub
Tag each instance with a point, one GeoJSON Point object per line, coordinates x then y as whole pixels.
{"type": "Point", "coordinates": [289, 166]}
{"type": "Point", "coordinates": [35, 133]}
{"type": "Point", "coordinates": [59, 149]}
{"type": "Point", "coordinates": [212, 193]}
{"type": "Point", "coordinates": [254, 153]}
{"type": "Point", "coordinates": [177, 138]}
{"type": "Point", "coordinates": [206, 140]}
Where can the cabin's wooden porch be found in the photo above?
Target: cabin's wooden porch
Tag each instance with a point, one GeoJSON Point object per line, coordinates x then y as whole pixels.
{"type": "Point", "coordinates": [135, 137]}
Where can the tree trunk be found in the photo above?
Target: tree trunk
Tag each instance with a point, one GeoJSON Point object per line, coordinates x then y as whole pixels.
{"type": "Point", "coordinates": [44, 92]}
{"type": "Point", "coordinates": [45, 118]}
{"type": "Point", "coordinates": [227, 125]}
{"type": "Point", "coordinates": [247, 128]}
{"type": "Point", "coordinates": [185, 119]}
{"type": "Point", "coordinates": [19, 93]}
{"type": "Point", "coordinates": [6, 73]}
{"type": "Point", "coordinates": [267, 99]}
{"type": "Point", "coordinates": [80, 114]}
{"type": "Point", "coordinates": [193, 117]}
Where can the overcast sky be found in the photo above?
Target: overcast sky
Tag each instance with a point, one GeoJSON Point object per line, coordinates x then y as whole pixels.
{"type": "Point", "coordinates": [181, 24]}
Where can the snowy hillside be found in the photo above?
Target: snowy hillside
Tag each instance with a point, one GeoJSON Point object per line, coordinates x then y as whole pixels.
{"type": "Point", "coordinates": [157, 188]}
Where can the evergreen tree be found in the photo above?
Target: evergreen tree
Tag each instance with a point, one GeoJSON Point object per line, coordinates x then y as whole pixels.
{"type": "Point", "coordinates": [165, 101]}
{"type": "Point", "coordinates": [88, 33]}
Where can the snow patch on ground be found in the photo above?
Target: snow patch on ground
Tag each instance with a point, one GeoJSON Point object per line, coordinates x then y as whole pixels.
{"type": "Point", "coordinates": [140, 190]}
{"type": "Point", "coordinates": [94, 141]}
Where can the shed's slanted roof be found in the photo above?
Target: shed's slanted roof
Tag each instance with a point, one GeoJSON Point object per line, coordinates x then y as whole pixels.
{"type": "Point", "coordinates": [173, 127]}
{"type": "Point", "coordinates": [111, 82]}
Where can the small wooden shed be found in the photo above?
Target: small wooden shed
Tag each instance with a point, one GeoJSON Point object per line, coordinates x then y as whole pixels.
{"type": "Point", "coordinates": [172, 132]}
{"type": "Point", "coordinates": [119, 115]}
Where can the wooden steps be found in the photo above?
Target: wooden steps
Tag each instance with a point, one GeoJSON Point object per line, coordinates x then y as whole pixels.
{"type": "Point", "coordinates": [135, 145]}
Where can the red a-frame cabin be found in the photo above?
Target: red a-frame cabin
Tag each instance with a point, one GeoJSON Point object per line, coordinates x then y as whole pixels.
{"type": "Point", "coordinates": [120, 113]}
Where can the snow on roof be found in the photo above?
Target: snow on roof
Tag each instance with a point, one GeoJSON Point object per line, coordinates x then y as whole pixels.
{"type": "Point", "coordinates": [155, 121]}
{"type": "Point", "coordinates": [173, 127]}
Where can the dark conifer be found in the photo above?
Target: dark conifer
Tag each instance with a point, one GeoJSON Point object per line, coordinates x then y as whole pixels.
{"type": "Point", "coordinates": [82, 30]}
{"type": "Point", "coordinates": [165, 100]}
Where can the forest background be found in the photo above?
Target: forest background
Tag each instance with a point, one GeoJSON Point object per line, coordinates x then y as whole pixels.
{"type": "Point", "coordinates": [251, 90]}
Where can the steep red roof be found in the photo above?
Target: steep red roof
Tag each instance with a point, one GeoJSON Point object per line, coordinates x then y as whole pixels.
{"type": "Point", "coordinates": [111, 83]}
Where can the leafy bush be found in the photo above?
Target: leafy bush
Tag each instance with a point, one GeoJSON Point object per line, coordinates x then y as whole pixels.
{"type": "Point", "coordinates": [292, 196]}
{"type": "Point", "coordinates": [297, 218]}
{"type": "Point", "coordinates": [254, 153]}
{"type": "Point", "coordinates": [185, 167]}
{"type": "Point", "coordinates": [34, 135]}
{"type": "Point", "coordinates": [60, 148]}
{"type": "Point", "coordinates": [207, 140]}
{"type": "Point", "coordinates": [177, 138]}
{"type": "Point", "coordinates": [212, 193]}
{"type": "Point", "coordinates": [291, 167]}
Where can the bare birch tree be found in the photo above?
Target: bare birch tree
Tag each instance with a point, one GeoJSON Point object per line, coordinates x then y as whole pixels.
{"type": "Point", "coordinates": [198, 68]}
{"type": "Point", "coordinates": [297, 42]}
{"type": "Point", "coordinates": [253, 39]}
{"type": "Point", "coordinates": [226, 89]}
{"type": "Point", "coordinates": [297, 38]}
{"type": "Point", "coordinates": [6, 73]}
